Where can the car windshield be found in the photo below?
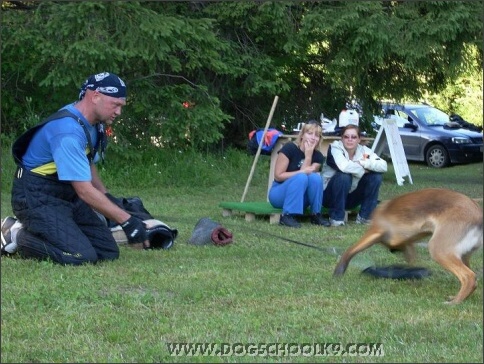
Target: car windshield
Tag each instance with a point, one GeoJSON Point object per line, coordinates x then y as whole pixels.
{"type": "Point", "coordinates": [430, 115]}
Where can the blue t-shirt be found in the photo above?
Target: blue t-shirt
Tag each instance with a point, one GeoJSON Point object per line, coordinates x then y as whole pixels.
{"type": "Point", "coordinates": [296, 156]}
{"type": "Point", "coordinates": [64, 142]}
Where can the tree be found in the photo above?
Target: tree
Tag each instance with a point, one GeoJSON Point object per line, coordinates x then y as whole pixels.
{"type": "Point", "coordinates": [202, 72]}
{"type": "Point", "coordinates": [49, 51]}
{"type": "Point", "coordinates": [392, 50]}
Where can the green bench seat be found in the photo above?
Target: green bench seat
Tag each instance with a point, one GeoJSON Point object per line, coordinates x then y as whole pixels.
{"type": "Point", "coordinates": [253, 208]}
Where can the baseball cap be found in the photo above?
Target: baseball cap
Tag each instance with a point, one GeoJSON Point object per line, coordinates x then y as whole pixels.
{"type": "Point", "coordinates": [106, 83]}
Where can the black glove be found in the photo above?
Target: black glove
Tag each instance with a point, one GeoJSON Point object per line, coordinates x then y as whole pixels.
{"type": "Point", "coordinates": [135, 230]}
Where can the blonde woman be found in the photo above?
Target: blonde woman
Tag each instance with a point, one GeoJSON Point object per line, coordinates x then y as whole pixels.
{"type": "Point", "coordinates": [297, 180]}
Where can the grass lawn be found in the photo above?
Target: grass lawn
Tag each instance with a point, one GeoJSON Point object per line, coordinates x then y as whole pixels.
{"type": "Point", "coordinates": [262, 289]}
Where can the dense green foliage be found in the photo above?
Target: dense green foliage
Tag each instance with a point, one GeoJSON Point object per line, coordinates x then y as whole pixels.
{"type": "Point", "coordinates": [228, 60]}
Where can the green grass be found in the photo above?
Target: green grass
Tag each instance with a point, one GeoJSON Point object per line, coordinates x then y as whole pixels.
{"type": "Point", "coordinates": [260, 289]}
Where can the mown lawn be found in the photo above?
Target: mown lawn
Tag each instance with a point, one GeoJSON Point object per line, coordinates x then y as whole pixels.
{"type": "Point", "coordinates": [261, 289]}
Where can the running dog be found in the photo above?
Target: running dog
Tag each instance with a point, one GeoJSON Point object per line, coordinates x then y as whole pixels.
{"type": "Point", "coordinates": [453, 220]}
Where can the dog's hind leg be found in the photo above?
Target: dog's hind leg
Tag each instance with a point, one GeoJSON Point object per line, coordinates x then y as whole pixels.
{"type": "Point", "coordinates": [448, 258]}
{"type": "Point", "coordinates": [372, 236]}
{"type": "Point", "coordinates": [466, 276]}
{"type": "Point", "coordinates": [466, 259]}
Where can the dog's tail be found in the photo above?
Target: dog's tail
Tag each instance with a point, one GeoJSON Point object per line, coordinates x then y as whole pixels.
{"type": "Point", "coordinates": [371, 237]}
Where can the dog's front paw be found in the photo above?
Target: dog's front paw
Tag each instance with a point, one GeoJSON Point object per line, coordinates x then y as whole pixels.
{"type": "Point", "coordinates": [339, 270]}
{"type": "Point", "coordinates": [451, 300]}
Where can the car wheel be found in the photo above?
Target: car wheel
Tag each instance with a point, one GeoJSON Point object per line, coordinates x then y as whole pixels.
{"type": "Point", "coordinates": [437, 157]}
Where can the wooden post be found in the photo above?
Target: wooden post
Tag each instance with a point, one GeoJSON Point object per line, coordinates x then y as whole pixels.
{"type": "Point", "coordinates": [269, 119]}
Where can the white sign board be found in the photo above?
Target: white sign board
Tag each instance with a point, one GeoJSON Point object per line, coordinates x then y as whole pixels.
{"type": "Point", "coordinates": [388, 133]}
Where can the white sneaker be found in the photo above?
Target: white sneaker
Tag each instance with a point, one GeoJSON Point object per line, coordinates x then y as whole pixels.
{"type": "Point", "coordinates": [9, 246]}
{"type": "Point", "coordinates": [362, 221]}
{"type": "Point", "coordinates": [336, 222]}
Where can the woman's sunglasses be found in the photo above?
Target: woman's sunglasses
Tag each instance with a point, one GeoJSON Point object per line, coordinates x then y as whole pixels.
{"type": "Point", "coordinates": [350, 136]}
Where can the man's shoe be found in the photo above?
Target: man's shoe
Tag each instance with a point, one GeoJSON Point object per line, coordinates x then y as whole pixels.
{"type": "Point", "coordinates": [336, 222]}
{"type": "Point", "coordinates": [317, 219]}
{"type": "Point", "coordinates": [289, 220]}
{"type": "Point", "coordinates": [8, 247]}
{"type": "Point", "coordinates": [362, 221]}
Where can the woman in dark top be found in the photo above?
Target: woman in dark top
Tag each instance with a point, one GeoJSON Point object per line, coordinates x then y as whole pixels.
{"type": "Point", "coordinates": [297, 180]}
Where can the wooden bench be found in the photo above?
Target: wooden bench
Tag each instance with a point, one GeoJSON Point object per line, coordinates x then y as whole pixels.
{"type": "Point", "coordinates": [251, 209]}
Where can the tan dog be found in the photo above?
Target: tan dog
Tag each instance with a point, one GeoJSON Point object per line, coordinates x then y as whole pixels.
{"type": "Point", "coordinates": [453, 220]}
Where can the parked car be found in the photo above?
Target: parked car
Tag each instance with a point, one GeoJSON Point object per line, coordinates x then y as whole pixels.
{"type": "Point", "coordinates": [429, 136]}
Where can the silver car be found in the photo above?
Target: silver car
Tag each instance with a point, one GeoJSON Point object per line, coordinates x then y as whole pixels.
{"type": "Point", "coordinates": [429, 136]}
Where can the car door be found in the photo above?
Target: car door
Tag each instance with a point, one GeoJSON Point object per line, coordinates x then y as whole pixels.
{"type": "Point", "coordinates": [411, 136]}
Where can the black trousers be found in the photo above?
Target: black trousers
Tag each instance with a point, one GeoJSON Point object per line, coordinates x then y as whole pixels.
{"type": "Point", "coordinates": [57, 224]}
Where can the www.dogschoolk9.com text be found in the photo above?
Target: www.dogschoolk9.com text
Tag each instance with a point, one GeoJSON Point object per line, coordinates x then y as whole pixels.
{"type": "Point", "coordinates": [276, 349]}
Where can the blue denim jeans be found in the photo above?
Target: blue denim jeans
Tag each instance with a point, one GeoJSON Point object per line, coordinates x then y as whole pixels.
{"type": "Point", "coordinates": [337, 196]}
{"type": "Point", "coordinates": [297, 193]}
